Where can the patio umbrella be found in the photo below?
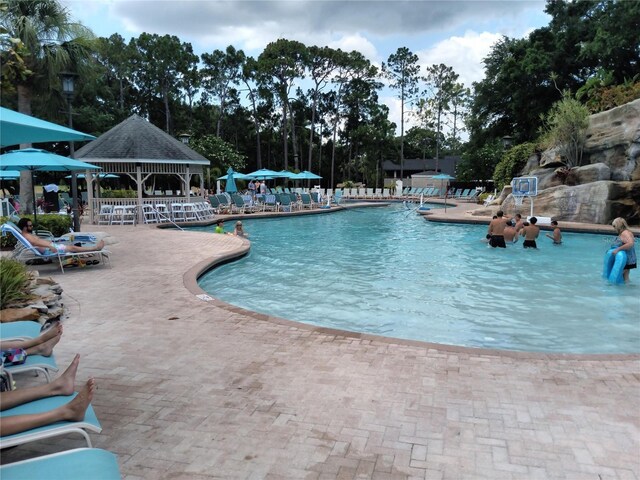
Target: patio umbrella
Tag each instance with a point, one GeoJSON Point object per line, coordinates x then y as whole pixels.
{"type": "Point", "coordinates": [34, 160]}
{"type": "Point", "coordinates": [237, 176]}
{"type": "Point", "coordinates": [9, 174]}
{"type": "Point", "coordinates": [307, 175]}
{"type": "Point", "coordinates": [287, 174]}
{"type": "Point", "coordinates": [443, 177]}
{"type": "Point", "coordinates": [265, 174]}
{"type": "Point", "coordinates": [17, 128]}
{"type": "Point", "coordinates": [231, 183]}
{"type": "Point", "coordinates": [101, 175]}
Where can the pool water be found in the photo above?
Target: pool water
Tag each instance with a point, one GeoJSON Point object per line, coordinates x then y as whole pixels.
{"type": "Point", "coordinates": [389, 272]}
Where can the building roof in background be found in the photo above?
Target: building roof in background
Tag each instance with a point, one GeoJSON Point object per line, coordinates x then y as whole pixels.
{"type": "Point", "coordinates": [136, 139]}
{"type": "Point", "coordinates": [426, 166]}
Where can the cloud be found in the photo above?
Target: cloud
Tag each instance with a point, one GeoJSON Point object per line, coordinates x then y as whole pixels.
{"type": "Point", "coordinates": [464, 54]}
{"type": "Point", "coordinates": [251, 24]}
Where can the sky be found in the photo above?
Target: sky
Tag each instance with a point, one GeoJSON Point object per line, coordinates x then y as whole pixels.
{"type": "Point", "coordinates": [458, 33]}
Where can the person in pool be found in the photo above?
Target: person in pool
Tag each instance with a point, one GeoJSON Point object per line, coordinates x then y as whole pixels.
{"type": "Point", "coordinates": [625, 241]}
{"type": "Point", "coordinates": [219, 227]}
{"type": "Point", "coordinates": [45, 246]}
{"type": "Point", "coordinates": [530, 232]}
{"type": "Point", "coordinates": [557, 234]}
{"type": "Point", "coordinates": [496, 230]}
{"type": "Point", "coordinates": [238, 230]}
{"type": "Point", "coordinates": [510, 233]}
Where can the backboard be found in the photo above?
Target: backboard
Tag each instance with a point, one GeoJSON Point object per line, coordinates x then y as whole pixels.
{"type": "Point", "coordinates": [524, 186]}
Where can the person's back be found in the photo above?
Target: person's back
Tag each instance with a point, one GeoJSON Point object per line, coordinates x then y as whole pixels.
{"type": "Point", "coordinates": [530, 233]}
{"type": "Point", "coordinates": [496, 231]}
{"type": "Point", "coordinates": [510, 233]}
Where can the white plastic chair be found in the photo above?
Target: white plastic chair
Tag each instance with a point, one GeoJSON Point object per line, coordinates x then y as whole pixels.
{"type": "Point", "coordinates": [177, 212]}
{"type": "Point", "coordinates": [104, 217]}
{"type": "Point", "coordinates": [149, 214]}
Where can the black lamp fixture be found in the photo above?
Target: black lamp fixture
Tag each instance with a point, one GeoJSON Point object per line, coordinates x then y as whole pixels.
{"type": "Point", "coordinates": [507, 142]}
{"type": "Point", "coordinates": [68, 83]}
{"type": "Point", "coordinates": [184, 138]}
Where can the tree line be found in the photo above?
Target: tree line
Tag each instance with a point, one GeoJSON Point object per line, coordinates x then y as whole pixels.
{"type": "Point", "coordinates": [313, 107]}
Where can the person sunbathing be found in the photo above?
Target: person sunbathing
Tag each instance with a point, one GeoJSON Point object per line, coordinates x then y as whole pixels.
{"type": "Point", "coordinates": [41, 345]}
{"type": "Point", "coordinates": [64, 385]}
{"type": "Point", "coordinates": [46, 246]}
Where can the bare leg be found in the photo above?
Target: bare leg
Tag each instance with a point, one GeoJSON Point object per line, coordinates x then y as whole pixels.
{"type": "Point", "coordinates": [63, 385]}
{"type": "Point", "coordinates": [72, 412]}
{"type": "Point", "coordinates": [32, 342]}
{"type": "Point", "coordinates": [625, 276]}
{"type": "Point", "coordinates": [45, 349]}
{"type": "Point", "coordinates": [74, 249]}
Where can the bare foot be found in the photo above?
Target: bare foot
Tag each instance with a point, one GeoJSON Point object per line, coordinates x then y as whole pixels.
{"type": "Point", "coordinates": [74, 410]}
{"type": "Point", "coordinates": [65, 383]}
{"type": "Point", "coordinates": [46, 348]}
{"type": "Point", "coordinates": [50, 333]}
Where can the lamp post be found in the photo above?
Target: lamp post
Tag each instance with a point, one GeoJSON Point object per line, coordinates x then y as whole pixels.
{"type": "Point", "coordinates": [184, 138]}
{"type": "Point", "coordinates": [68, 88]}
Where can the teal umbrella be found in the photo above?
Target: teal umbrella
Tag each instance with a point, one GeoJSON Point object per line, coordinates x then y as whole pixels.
{"type": "Point", "coordinates": [306, 175]}
{"type": "Point", "coordinates": [17, 128]}
{"type": "Point", "coordinates": [101, 175]}
{"type": "Point", "coordinates": [265, 173]}
{"type": "Point", "coordinates": [288, 174]}
{"type": "Point", "coordinates": [9, 174]}
{"type": "Point", "coordinates": [36, 160]}
{"type": "Point", "coordinates": [237, 176]}
{"type": "Point", "coordinates": [231, 183]}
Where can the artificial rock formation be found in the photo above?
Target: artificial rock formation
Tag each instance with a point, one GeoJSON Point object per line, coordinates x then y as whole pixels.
{"type": "Point", "coordinates": [44, 302]}
{"type": "Point", "coordinates": [605, 186]}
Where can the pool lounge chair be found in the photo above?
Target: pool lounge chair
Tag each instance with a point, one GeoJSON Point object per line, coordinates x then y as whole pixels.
{"type": "Point", "coordinates": [36, 364]}
{"type": "Point", "coordinates": [28, 252]}
{"type": "Point", "coordinates": [76, 464]}
{"type": "Point", "coordinates": [20, 330]}
{"type": "Point", "coordinates": [90, 422]}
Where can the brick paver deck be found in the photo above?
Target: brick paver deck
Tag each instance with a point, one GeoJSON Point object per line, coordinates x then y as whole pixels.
{"type": "Point", "coordinates": [195, 389]}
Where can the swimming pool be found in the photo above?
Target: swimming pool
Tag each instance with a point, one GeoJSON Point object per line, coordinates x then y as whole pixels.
{"type": "Point", "coordinates": [387, 271]}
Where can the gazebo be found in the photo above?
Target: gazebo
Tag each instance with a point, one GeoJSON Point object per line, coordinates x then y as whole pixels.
{"type": "Point", "coordinates": [139, 149]}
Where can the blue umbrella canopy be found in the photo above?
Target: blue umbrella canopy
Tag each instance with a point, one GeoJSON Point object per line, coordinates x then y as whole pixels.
{"type": "Point", "coordinates": [287, 174]}
{"type": "Point", "coordinates": [443, 176]}
{"type": "Point", "coordinates": [231, 183]}
{"type": "Point", "coordinates": [265, 173]}
{"type": "Point", "coordinates": [307, 175]}
{"type": "Point", "coordinates": [101, 175]}
{"type": "Point", "coordinates": [237, 176]}
{"type": "Point", "coordinates": [9, 174]}
{"type": "Point", "coordinates": [17, 128]}
{"type": "Point", "coordinates": [34, 159]}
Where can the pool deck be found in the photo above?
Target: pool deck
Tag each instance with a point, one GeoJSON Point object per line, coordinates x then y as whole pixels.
{"type": "Point", "coordinates": [192, 388]}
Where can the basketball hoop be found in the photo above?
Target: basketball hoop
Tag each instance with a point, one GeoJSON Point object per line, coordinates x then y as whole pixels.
{"type": "Point", "coordinates": [518, 201]}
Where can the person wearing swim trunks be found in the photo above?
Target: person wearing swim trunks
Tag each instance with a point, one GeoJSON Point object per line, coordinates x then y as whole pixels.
{"type": "Point", "coordinates": [625, 241]}
{"type": "Point", "coordinates": [496, 230]}
{"type": "Point", "coordinates": [45, 246]}
{"type": "Point", "coordinates": [519, 222]}
{"type": "Point", "coordinates": [530, 232]}
{"type": "Point", "coordinates": [557, 234]}
{"type": "Point", "coordinates": [510, 233]}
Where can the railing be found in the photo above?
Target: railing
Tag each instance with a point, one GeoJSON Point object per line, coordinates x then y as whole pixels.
{"type": "Point", "coordinates": [97, 203]}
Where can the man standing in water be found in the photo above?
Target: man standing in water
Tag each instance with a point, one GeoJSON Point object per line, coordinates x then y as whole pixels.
{"type": "Point", "coordinates": [496, 231]}
{"type": "Point", "coordinates": [530, 232]}
{"type": "Point", "coordinates": [557, 234]}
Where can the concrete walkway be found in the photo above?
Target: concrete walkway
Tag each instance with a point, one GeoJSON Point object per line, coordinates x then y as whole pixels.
{"type": "Point", "coordinates": [192, 388]}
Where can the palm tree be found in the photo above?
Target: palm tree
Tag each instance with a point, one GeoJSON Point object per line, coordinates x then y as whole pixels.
{"type": "Point", "coordinates": [52, 43]}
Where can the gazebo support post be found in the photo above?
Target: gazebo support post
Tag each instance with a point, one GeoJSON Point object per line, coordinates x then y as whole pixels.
{"type": "Point", "coordinates": [187, 183]}
{"type": "Point", "coordinates": [139, 184]}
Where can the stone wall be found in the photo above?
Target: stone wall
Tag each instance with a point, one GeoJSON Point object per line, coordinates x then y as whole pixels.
{"type": "Point", "coordinates": [605, 186]}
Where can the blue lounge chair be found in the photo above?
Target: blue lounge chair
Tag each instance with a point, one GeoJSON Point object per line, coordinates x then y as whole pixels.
{"type": "Point", "coordinates": [35, 363]}
{"type": "Point", "coordinates": [76, 464]}
{"type": "Point", "coordinates": [34, 252]}
{"type": "Point", "coordinates": [90, 422]}
{"type": "Point", "coordinates": [19, 330]}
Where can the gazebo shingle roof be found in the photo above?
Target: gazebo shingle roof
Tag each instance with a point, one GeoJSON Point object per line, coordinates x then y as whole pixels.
{"type": "Point", "coordinates": [137, 139]}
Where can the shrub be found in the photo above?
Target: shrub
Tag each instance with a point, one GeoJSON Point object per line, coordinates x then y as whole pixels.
{"type": "Point", "coordinates": [512, 163]}
{"type": "Point", "coordinates": [56, 224]}
{"type": "Point", "coordinates": [119, 194]}
{"type": "Point", "coordinates": [565, 127]}
{"type": "Point", "coordinates": [14, 281]}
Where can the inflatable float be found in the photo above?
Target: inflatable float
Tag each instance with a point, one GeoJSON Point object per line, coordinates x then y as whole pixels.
{"type": "Point", "coordinates": [614, 266]}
